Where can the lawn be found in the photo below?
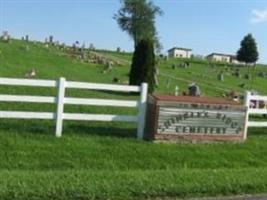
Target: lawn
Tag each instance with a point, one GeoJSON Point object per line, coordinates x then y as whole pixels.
{"type": "Point", "coordinates": [85, 164]}
{"type": "Point", "coordinates": [95, 160]}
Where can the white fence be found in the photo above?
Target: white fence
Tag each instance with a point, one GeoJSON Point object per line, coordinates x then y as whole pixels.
{"type": "Point", "coordinates": [60, 100]}
{"type": "Point", "coordinates": [255, 104]}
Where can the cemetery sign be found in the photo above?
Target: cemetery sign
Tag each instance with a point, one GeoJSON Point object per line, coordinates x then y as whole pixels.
{"type": "Point", "coordinates": [195, 119]}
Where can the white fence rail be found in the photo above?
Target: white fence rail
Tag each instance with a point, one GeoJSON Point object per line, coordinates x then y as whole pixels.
{"type": "Point", "coordinates": [255, 104]}
{"type": "Point", "coordinates": [60, 100]}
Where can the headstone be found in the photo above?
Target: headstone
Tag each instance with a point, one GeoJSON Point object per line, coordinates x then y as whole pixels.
{"type": "Point", "coordinates": [237, 73]}
{"type": "Point", "coordinates": [83, 47]}
{"type": "Point", "coordinates": [115, 80]}
{"type": "Point", "coordinates": [220, 77]}
{"type": "Point", "coordinates": [109, 65]}
{"type": "Point", "coordinates": [27, 38]}
{"type": "Point", "coordinates": [166, 58]}
{"type": "Point", "coordinates": [187, 64]}
{"type": "Point", "coordinates": [176, 93]}
{"type": "Point", "coordinates": [51, 39]}
{"type": "Point", "coordinates": [27, 48]}
{"type": "Point", "coordinates": [118, 49]}
{"type": "Point", "coordinates": [30, 74]}
{"type": "Point", "coordinates": [6, 36]}
{"type": "Point", "coordinates": [247, 76]}
{"type": "Point", "coordinates": [74, 47]}
{"type": "Point", "coordinates": [262, 74]}
{"type": "Point", "coordinates": [91, 46]}
{"type": "Point", "coordinates": [194, 90]}
{"type": "Point", "coordinates": [63, 45]}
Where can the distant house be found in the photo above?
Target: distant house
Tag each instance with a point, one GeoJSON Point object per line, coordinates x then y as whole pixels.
{"type": "Point", "coordinates": [235, 61]}
{"type": "Point", "coordinates": [178, 52]}
{"type": "Point", "coordinates": [219, 57]}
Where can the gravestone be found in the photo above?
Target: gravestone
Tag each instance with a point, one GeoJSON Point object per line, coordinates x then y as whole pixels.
{"type": "Point", "coordinates": [6, 36]}
{"type": "Point", "coordinates": [27, 48]}
{"type": "Point", "coordinates": [91, 46]}
{"type": "Point", "coordinates": [176, 93]}
{"type": "Point", "coordinates": [220, 77]}
{"type": "Point", "coordinates": [82, 47]}
{"type": "Point", "coordinates": [247, 76]}
{"type": "Point", "coordinates": [116, 80]}
{"type": "Point", "coordinates": [51, 39]}
{"type": "Point", "coordinates": [194, 90]}
{"type": "Point", "coordinates": [118, 49]}
{"type": "Point", "coordinates": [262, 74]}
{"type": "Point", "coordinates": [166, 58]}
{"type": "Point", "coordinates": [27, 38]}
{"type": "Point", "coordinates": [109, 65]}
{"type": "Point", "coordinates": [31, 73]}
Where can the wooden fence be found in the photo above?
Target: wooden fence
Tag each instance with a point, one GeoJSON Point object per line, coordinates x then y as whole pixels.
{"type": "Point", "coordinates": [60, 100]}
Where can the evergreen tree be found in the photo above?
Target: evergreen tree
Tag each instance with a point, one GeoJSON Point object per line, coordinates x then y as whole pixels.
{"type": "Point", "coordinates": [248, 52]}
{"type": "Point", "coordinates": [143, 65]}
{"type": "Point", "coordinates": [137, 18]}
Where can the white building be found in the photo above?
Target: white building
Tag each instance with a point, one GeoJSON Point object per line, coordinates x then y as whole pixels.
{"type": "Point", "coordinates": [227, 58]}
{"type": "Point", "coordinates": [219, 57]}
{"type": "Point", "coordinates": [178, 52]}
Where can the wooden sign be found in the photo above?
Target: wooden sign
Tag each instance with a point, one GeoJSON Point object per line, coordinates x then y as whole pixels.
{"type": "Point", "coordinates": [195, 118]}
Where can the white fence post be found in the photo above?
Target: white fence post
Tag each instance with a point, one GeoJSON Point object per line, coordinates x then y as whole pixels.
{"type": "Point", "coordinates": [60, 106]}
{"type": "Point", "coordinates": [142, 111]}
{"type": "Point", "coordinates": [247, 104]}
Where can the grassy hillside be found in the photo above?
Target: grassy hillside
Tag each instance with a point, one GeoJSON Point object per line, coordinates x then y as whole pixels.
{"type": "Point", "coordinates": [104, 160]}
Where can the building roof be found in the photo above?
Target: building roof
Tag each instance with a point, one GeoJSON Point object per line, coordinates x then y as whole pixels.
{"type": "Point", "coordinates": [221, 54]}
{"type": "Point", "coordinates": [179, 48]}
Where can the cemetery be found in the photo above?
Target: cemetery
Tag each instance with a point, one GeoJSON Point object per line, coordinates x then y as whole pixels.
{"type": "Point", "coordinates": [111, 152]}
{"type": "Point", "coordinates": [124, 100]}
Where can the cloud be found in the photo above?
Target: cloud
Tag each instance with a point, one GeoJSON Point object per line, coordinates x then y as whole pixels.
{"type": "Point", "coordinates": [258, 16]}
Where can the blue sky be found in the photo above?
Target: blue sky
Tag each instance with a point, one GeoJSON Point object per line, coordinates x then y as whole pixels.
{"type": "Point", "coordinates": [204, 25]}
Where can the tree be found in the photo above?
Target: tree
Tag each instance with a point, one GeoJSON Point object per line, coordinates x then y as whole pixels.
{"type": "Point", "coordinates": [248, 52]}
{"type": "Point", "coordinates": [143, 65]}
{"type": "Point", "coordinates": [137, 18]}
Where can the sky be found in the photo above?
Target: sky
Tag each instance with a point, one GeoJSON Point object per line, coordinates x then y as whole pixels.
{"type": "Point", "coordinates": [205, 26]}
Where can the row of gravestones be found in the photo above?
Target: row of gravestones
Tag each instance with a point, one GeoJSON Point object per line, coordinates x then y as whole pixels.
{"type": "Point", "coordinates": [184, 65]}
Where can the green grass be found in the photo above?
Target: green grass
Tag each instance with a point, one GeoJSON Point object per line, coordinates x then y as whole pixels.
{"type": "Point", "coordinates": [95, 160]}
{"type": "Point", "coordinates": [89, 165]}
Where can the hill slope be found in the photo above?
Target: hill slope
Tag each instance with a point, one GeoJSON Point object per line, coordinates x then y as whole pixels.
{"type": "Point", "coordinates": [104, 160]}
